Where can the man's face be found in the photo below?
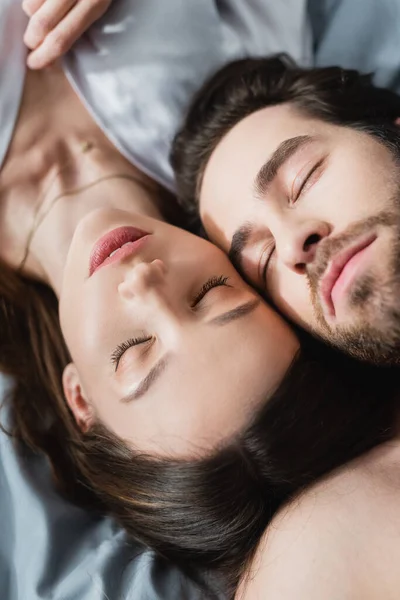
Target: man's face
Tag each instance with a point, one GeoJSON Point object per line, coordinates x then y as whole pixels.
{"type": "Point", "coordinates": [309, 212]}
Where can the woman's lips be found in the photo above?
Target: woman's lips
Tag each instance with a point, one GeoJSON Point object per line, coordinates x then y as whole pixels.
{"type": "Point", "coordinates": [341, 272]}
{"type": "Point", "coordinates": [115, 246]}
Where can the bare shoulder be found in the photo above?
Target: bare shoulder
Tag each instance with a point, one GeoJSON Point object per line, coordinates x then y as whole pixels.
{"type": "Point", "coordinates": [340, 539]}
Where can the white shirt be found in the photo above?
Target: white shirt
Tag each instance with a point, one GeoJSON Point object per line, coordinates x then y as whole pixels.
{"type": "Point", "coordinates": [137, 68]}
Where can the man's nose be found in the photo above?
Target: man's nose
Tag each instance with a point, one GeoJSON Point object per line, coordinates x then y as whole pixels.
{"type": "Point", "coordinates": [297, 244]}
{"type": "Point", "coordinates": [142, 279]}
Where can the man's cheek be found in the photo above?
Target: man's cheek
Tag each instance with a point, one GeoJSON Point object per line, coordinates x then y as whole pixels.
{"type": "Point", "coordinates": [297, 300]}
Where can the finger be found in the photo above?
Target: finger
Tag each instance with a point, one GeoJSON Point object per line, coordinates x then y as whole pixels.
{"type": "Point", "coordinates": [60, 40]}
{"type": "Point", "coordinates": [31, 6]}
{"type": "Point", "coordinates": [44, 20]}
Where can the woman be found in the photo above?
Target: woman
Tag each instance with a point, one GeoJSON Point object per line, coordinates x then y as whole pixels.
{"type": "Point", "coordinates": [163, 392]}
{"type": "Point", "coordinates": [64, 186]}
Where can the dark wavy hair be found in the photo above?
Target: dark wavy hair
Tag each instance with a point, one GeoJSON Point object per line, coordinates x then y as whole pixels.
{"type": "Point", "coordinates": [206, 514]}
{"type": "Point", "coordinates": [332, 94]}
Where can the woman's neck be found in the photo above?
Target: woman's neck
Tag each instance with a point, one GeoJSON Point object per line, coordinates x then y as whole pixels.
{"type": "Point", "coordinates": [50, 247]}
{"type": "Point", "coordinates": [58, 148]}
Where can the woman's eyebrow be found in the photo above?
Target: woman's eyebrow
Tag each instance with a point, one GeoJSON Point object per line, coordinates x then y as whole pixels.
{"type": "Point", "coordinates": [148, 381]}
{"type": "Point", "coordinates": [155, 372]}
{"type": "Point", "coordinates": [236, 313]}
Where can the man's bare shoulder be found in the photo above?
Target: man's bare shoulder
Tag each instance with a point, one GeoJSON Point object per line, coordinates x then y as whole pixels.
{"type": "Point", "coordinates": [338, 539]}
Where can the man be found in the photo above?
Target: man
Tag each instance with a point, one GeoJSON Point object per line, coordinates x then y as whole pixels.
{"type": "Point", "coordinates": [295, 173]}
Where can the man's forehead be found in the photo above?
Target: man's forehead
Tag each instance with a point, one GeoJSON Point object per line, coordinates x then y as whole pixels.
{"type": "Point", "coordinates": [244, 148]}
{"type": "Point", "coordinates": [226, 193]}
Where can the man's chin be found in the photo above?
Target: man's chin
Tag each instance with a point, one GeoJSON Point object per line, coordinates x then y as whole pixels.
{"type": "Point", "coordinates": [375, 344]}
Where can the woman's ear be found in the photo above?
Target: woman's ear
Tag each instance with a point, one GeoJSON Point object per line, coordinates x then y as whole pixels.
{"type": "Point", "coordinates": [76, 398]}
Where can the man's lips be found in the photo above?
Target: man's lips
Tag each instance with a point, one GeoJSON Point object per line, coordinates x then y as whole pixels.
{"type": "Point", "coordinates": [115, 246]}
{"type": "Point", "coordinates": [335, 269]}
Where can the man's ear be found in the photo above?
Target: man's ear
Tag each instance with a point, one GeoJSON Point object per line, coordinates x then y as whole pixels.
{"type": "Point", "coordinates": [397, 121]}
{"type": "Point", "coordinates": [76, 398]}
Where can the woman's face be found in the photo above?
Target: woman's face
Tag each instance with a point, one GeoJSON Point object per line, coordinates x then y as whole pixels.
{"type": "Point", "coordinates": [171, 350]}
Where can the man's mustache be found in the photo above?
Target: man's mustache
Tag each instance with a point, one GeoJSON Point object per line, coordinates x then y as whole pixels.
{"type": "Point", "coordinates": [331, 246]}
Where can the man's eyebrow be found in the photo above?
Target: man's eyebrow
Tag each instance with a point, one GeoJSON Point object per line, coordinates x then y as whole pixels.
{"type": "Point", "coordinates": [280, 156]}
{"type": "Point", "coordinates": [236, 313]}
{"type": "Point", "coordinates": [148, 381]}
{"type": "Point", "coordinates": [239, 241]}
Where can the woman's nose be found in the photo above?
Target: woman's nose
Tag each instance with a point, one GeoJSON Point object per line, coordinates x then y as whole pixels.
{"type": "Point", "coordinates": [142, 279]}
{"type": "Point", "coordinates": [297, 244]}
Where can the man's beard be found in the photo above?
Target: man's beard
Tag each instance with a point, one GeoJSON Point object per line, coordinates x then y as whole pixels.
{"type": "Point", "coordinates": [375, 302]}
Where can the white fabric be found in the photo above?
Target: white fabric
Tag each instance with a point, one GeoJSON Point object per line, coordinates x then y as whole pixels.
{"type": "Point", "coordinates": [137, 68]}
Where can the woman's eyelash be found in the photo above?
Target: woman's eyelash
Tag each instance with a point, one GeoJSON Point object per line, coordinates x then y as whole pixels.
{"type": "Point", "coordinates": [209, 285]}
{"type": "Point", "coordinates": [122, 348]}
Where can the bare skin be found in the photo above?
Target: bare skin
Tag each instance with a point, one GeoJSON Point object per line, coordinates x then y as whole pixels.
{"type": "Point", "coordinates": [173, 311]}
{"type": "Point", "coordinates": [45, 159]}
{"type": "Point", "coordinates": [54, 26]}
{"type": "Point", "coordinates": [339, 541]}
{"type": "Point", "coordinates": [331, 196]}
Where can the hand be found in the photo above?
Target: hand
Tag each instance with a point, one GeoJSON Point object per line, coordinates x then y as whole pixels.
{"type": "Point", "coordinates": [54, 26]}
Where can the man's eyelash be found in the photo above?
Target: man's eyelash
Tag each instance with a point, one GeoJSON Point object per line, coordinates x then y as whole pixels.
{"type": "Point", "coordinates": [308, 176]}
{"type": "Point", "coordinates": [265, 267]}
{"type": "Point", "coordinates": [209, 285]}
{"type": "Point", "coordinates": [122, 348]}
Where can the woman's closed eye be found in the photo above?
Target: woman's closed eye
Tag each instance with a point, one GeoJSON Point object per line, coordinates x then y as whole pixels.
{"type": "Point", "coordinates": [126, 345]}
{"type": "Point", "coordinates": [213, 282]}
{"type": "Point", "coordinates": [144, 341]}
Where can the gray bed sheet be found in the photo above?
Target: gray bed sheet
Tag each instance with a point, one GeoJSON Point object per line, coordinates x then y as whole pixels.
{"type": "Point", "coordinates": [359, 34]}
{"type": "Point", "coordinates": [52, 550]}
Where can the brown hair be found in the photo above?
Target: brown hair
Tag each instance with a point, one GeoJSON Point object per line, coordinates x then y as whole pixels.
{"type": "Point", "coordinates": [206, 513]}
{"type": "Point", "coordinates": [332, 94]}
